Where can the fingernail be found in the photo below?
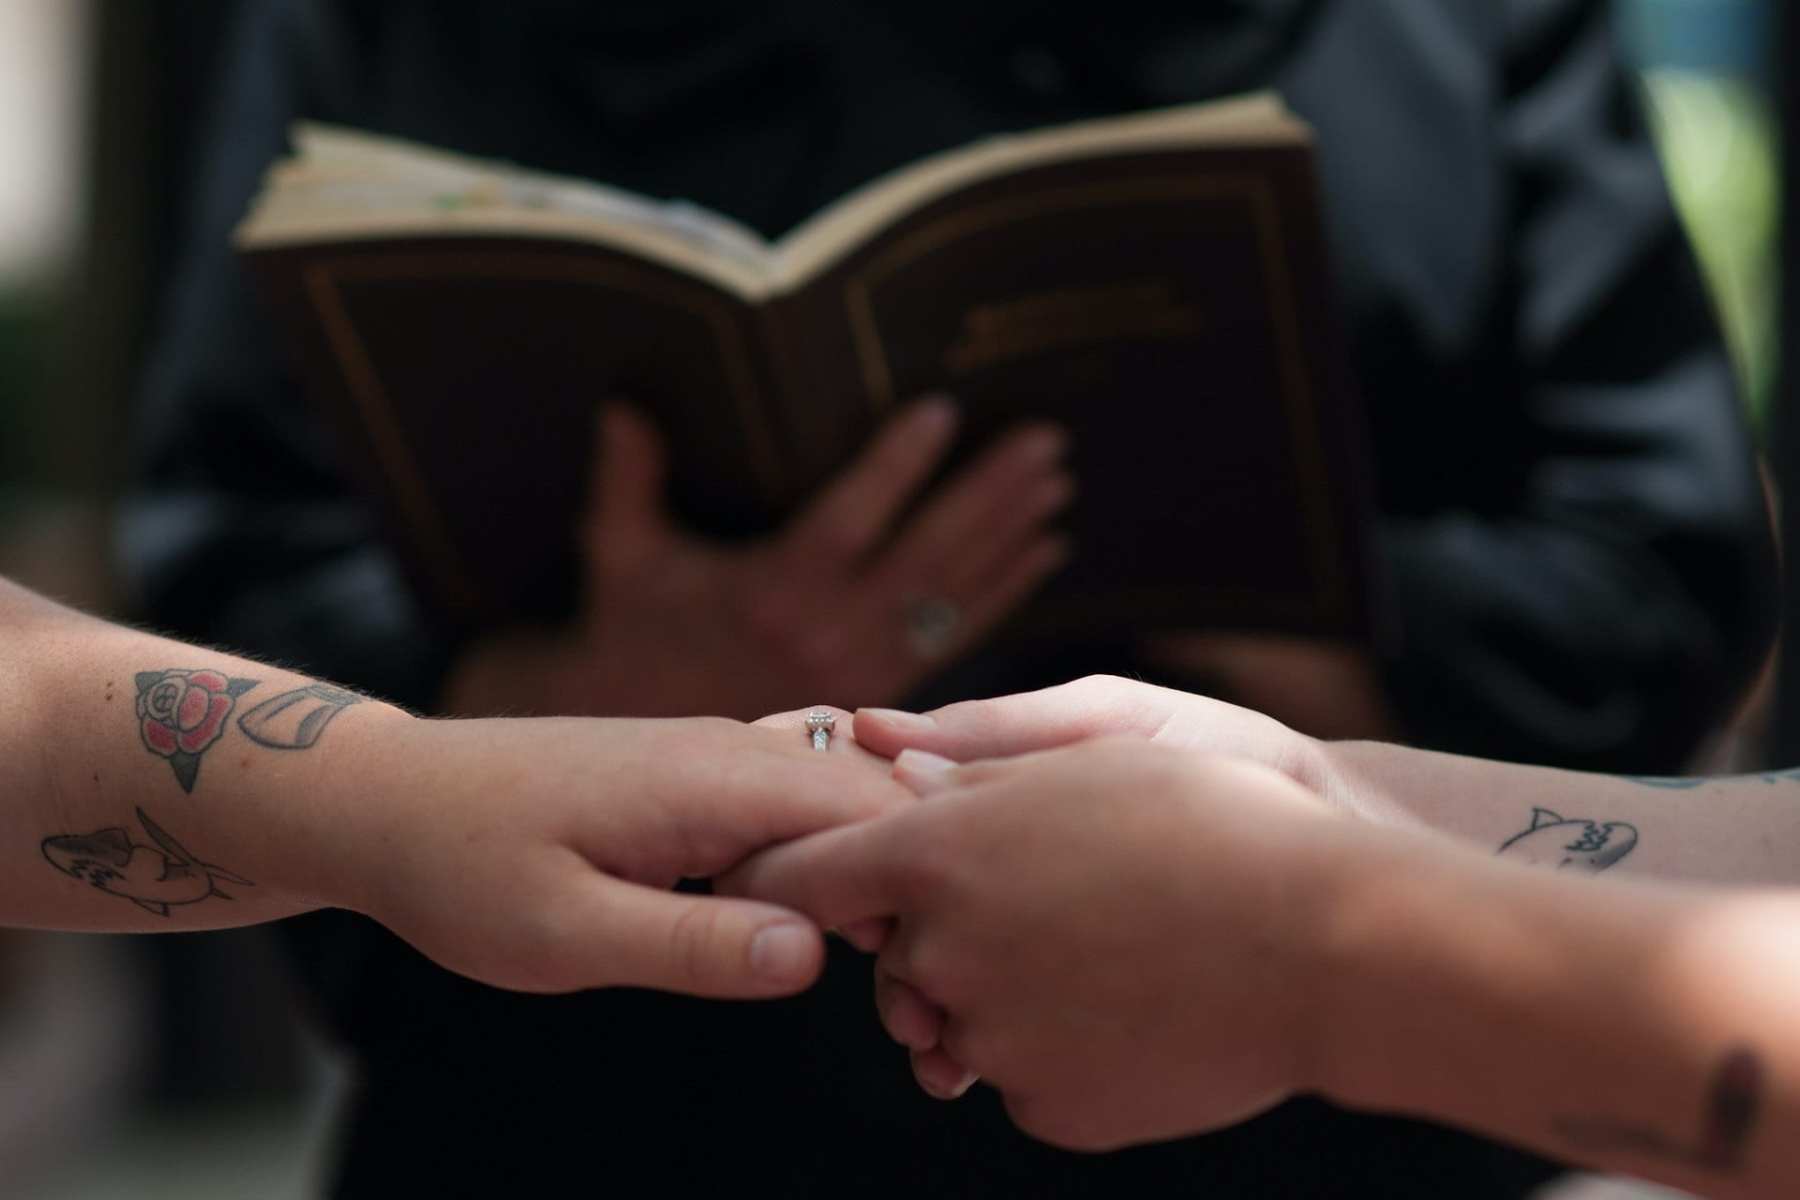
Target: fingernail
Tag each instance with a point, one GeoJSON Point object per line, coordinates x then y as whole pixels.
{"type": "Point", "coordinates": [782, 953]}
{"type": "Point", "coordinates": [1045, 445]}
{"type": "Point", "coordinates": [901, 721]}
{"type": "Point", "coordinates": [922, 772]}
{"type": "Point", "coordinates": [942, 1082]}
{"type": "Point", "coordinates": [924, 762]}
{"type": "Point", "coordinates": [969, 1079]}
{"type": "Point", "coordinates": [1056, 493]}
{"type": "Point", "coordinates": [935, 415]}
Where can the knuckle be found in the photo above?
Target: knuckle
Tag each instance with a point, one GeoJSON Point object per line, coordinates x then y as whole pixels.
{"type": "Point", "coordinates": [767, 613]}
{"type": "Point", "coordinates": [931, 968]}
{"type": "Point", "coordinates": [937, 856]}
{"type": "Point", "coordinates": [906, 1015]}
{"type": "Point", "coordinates": [838, 538]}
{"type": "Point", "coordinates": [786, 719]}
{"type": "Point", "coordinates": [972, 1046]}
{"type": "Point", "coordinates": [693, 935]}
{"type": "Point", "coordinates": [906, 960]}
{"type": "Point", "coordinates": [921, 874]}
{"type": "Point", "coordinates": [895, 454]}
{"type": "Point", "coordinates": [821, 651]}
{"type": "Point", "coordinates": [787, 624]}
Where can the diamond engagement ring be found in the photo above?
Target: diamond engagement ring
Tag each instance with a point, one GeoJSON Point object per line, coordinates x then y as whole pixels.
{"type": "Point", "coordinates": [931, 625]}
{"type": "Point", "coordinates": [820, 723]}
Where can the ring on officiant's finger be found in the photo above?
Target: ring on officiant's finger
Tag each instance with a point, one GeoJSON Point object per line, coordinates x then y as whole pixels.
{"type": "Point", "coordinates": [819, 724]}
{"type": "Point", "coordinates": [931, 625]}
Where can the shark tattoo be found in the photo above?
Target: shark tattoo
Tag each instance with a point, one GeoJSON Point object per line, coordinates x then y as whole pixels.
{"type": "Point", "coordinates": [154, 878]}
{"type": "Point", "coordinates": [1553, 840]}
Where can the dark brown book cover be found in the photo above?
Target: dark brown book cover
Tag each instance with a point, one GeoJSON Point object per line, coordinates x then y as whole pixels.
{"type": "Point", "coordinates": [1171, 307]}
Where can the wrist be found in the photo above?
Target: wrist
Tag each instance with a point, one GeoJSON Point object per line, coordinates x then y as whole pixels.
{"type": "Point", "coordinates": [344, 840]}
{"type": "Point", "coordinates": [1348, 778]}
{"type": "Point", "coordinates": [1350, 953]}
{"type": "Point", "coordinates": [1331, 771]}
{"type": "Point", "coordinates": [1329, 935]}
{"type": "Point", "coordinates": [1400, 961]}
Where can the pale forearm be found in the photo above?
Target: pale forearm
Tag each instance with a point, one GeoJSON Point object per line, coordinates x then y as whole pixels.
{"type": "Point", "coordinates": [1739, 830]}
{"type": "Point", "coordinates": [146, 785]}
{"type": "Point", "coordinates": [1631, 1027]}
{"type": "Point", "coordinates": [151, 785]}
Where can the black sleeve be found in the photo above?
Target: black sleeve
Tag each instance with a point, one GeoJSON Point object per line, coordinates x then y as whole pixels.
{"type": "Point", "coordinates": [1609, 613]}
{"type": "Point", "coordinates": [238, 530]}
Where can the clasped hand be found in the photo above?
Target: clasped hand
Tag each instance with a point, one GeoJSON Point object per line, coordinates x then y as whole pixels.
{"type": "Point", "coordinates": [1111, 913]}
{"type": "Point", "coordinates": [1107, 913]}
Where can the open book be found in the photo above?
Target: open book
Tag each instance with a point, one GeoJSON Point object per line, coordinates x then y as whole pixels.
{"type": "Point", "coordinates": [1156, 282]}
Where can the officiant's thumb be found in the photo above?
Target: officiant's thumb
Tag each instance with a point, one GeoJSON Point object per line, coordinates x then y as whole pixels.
{"type": "Point", "coordinates": [626, 515]}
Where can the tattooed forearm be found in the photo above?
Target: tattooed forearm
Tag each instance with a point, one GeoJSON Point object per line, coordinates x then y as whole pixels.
{"type": "Point", "coordinates": [182, 713]}
{"type": "Point", "coordinates": [294, 720]}
{"type": "Point", "coordinates": [1733, 1105]}
{"type": "Point", "coordinates": [1675, 783]}
{"type": "Point", "coordinates": [151, 877]}
{"type": "Point", "coordinates": [1552, 840]}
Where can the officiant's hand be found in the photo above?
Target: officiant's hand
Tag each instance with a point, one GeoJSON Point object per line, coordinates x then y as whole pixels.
{"type": "Point", "coordinates": [858, 599]}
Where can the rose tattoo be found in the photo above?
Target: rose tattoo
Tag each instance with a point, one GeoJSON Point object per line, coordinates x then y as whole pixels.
{"type": "Point", "coordinates": [181, 713]}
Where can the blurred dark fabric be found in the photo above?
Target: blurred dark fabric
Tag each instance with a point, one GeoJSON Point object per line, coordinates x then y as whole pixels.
{"type": "Point", "coordinates": [1573, 535]}
{"type": "Point", "coordinates": [1785, 734]}
{"type": "Point", "coordinates": [151, 67]}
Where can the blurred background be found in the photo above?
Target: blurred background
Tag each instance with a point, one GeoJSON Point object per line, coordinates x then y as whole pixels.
{"type": "Point", "coordinates": [178, 1066]}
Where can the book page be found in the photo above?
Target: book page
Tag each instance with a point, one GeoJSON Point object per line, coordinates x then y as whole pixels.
{"type": "Point", "coordinates": [342, 184]}
{"type": "Point", "coordinates": [1258, 119]}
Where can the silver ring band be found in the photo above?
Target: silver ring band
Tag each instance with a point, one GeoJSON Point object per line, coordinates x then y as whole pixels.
{"type": "Point", "coordinates": [819, 724]}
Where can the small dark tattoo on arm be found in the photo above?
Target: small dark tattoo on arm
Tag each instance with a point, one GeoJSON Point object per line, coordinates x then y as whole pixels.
{"type": "Point", "coordinates": [1682, 784]}
{"type": "Point", "coordinates": [1552, 840]}
{"type": "Point", "coordinates": [1733, 1106]}
{"type": "Point", "coordinates": [182, 713]}
{"type": "Point", "coordinates": [1668, 783]}
{"type": "Point", "coordinates": [153, 877]}
{"type": "Point", "coordinates": [294, 720]}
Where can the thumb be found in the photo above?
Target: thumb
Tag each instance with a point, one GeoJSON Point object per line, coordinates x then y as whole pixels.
{"type": "Point", "coordinates": [697, 945]}
{"type": "Point", "coordinates": [626, 516]}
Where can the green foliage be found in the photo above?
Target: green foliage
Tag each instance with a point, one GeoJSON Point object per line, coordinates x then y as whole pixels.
{"type": "Point", "coordinates": [1719, 139]}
